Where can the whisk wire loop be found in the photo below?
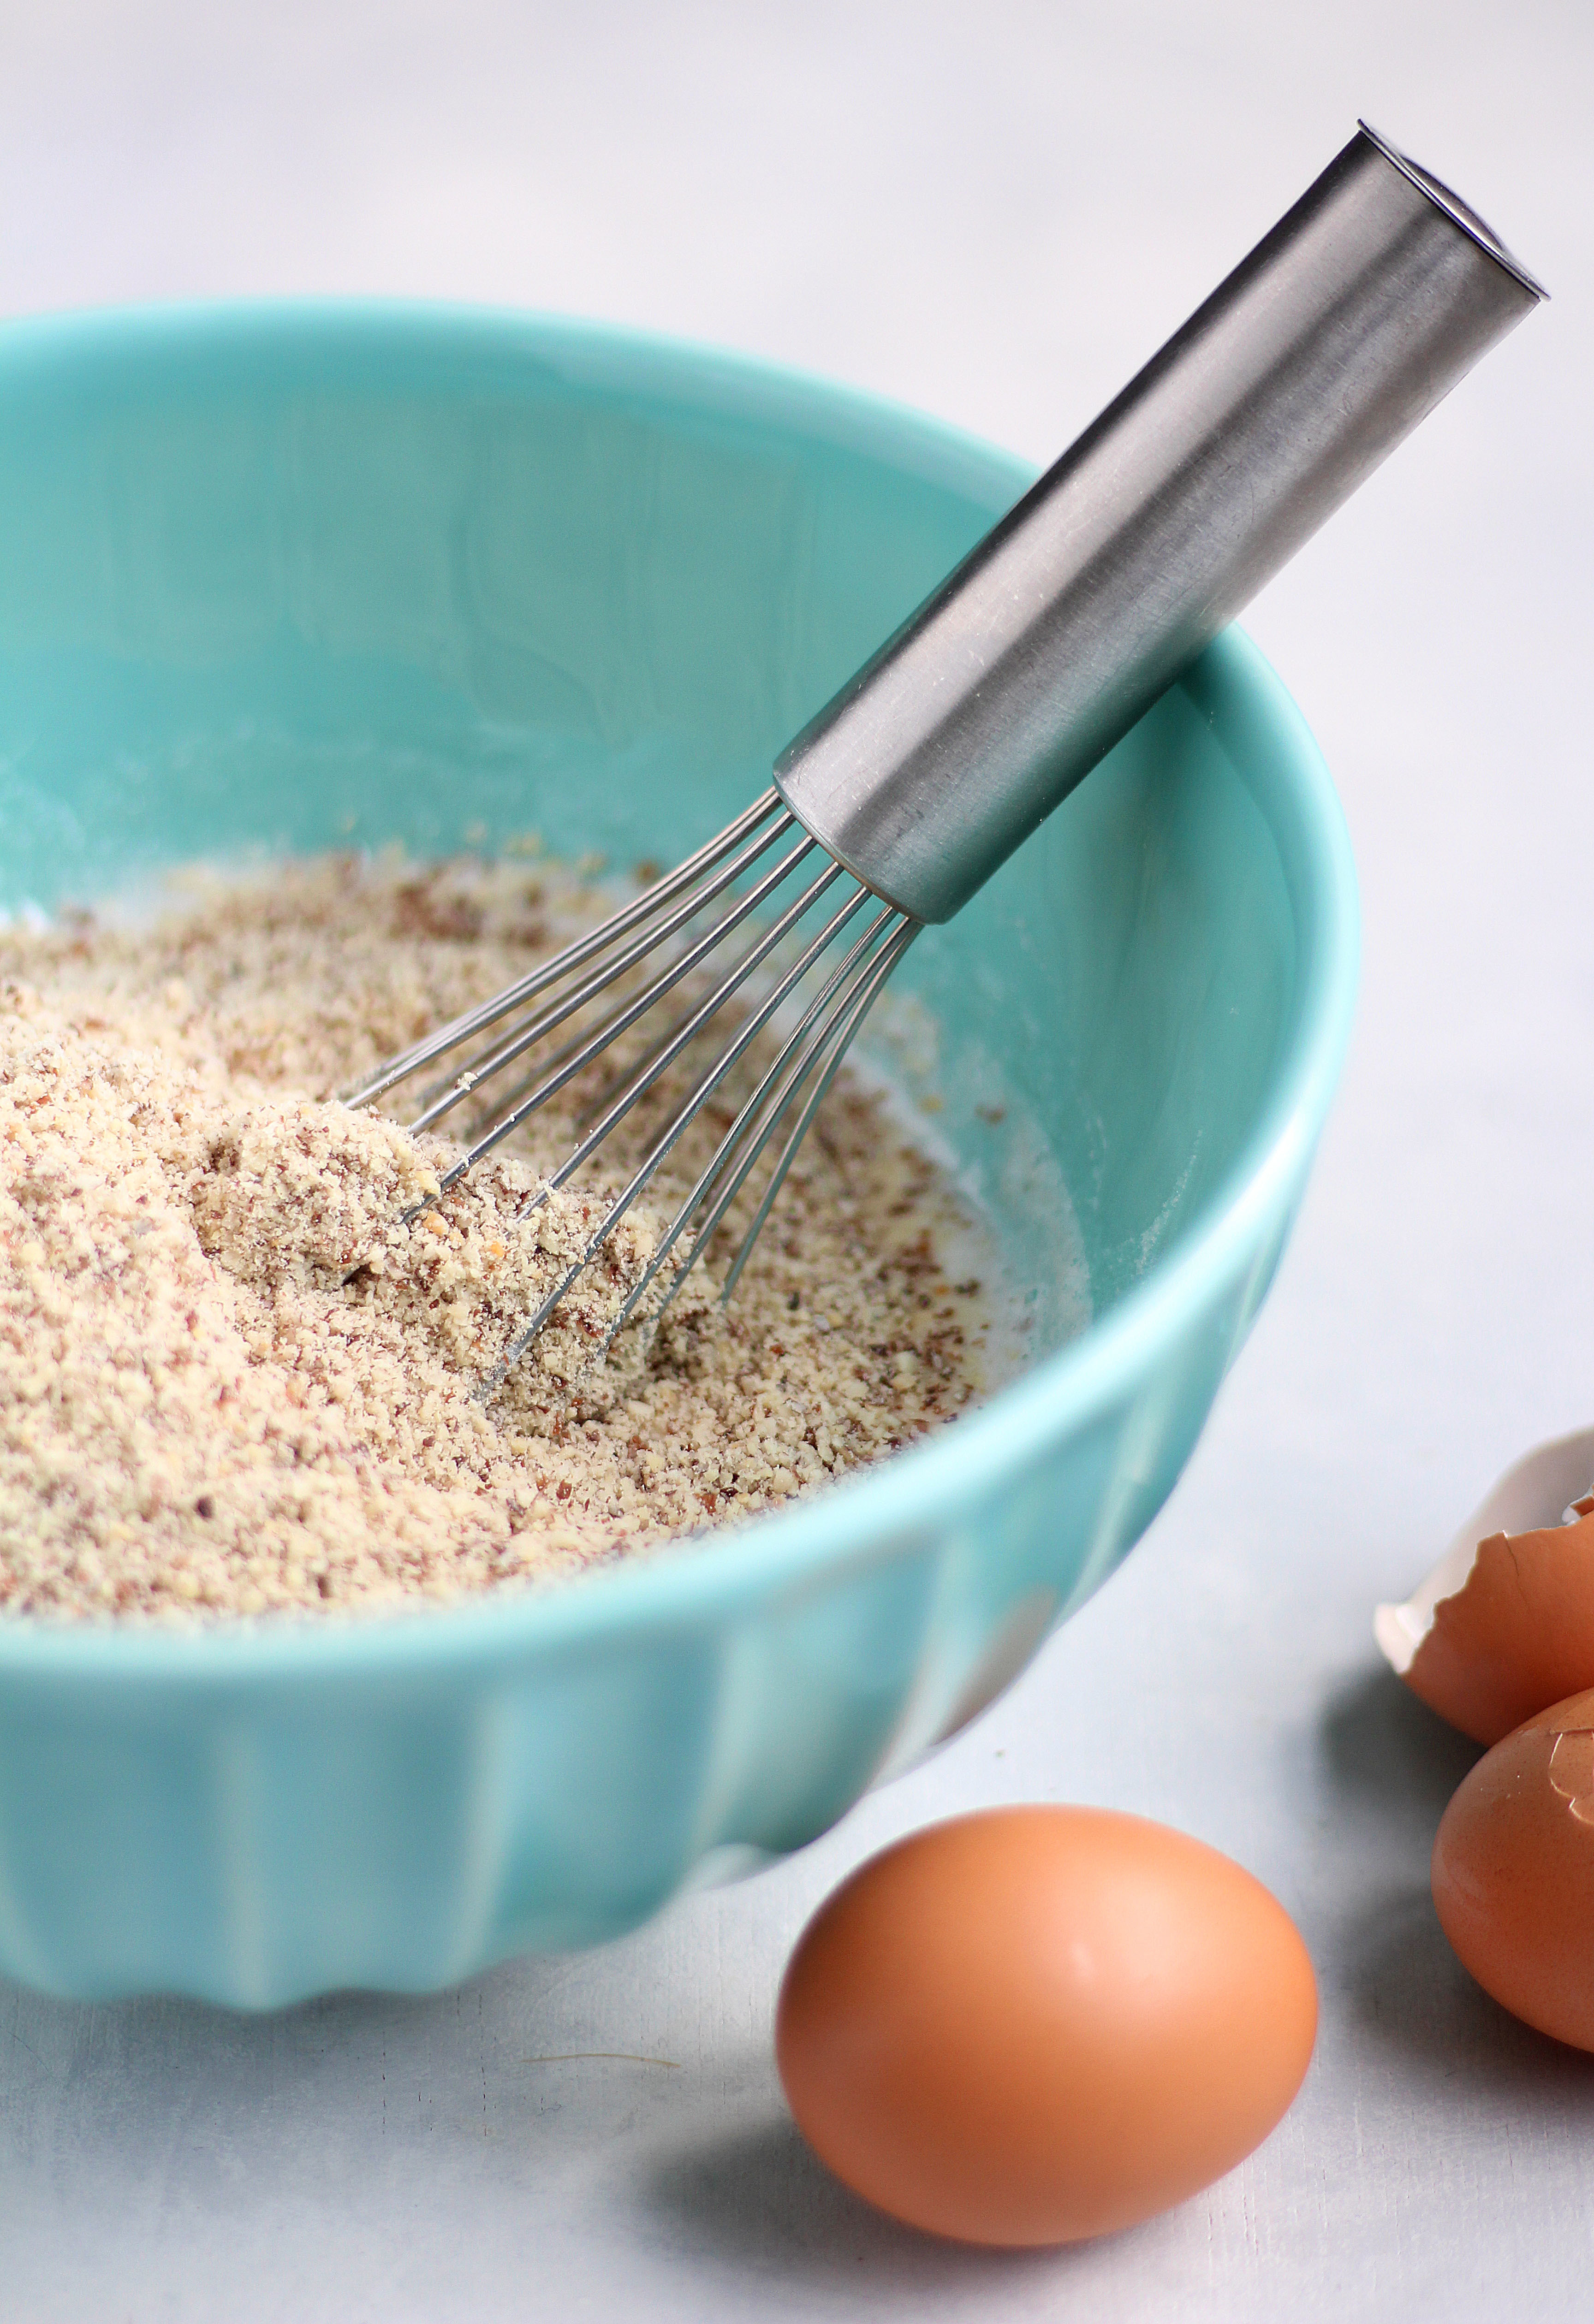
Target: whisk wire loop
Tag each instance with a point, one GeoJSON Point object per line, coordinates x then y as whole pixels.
{"type": "Point", "coordinates": [680, 926]}
{"type": "Point", "coordinates": [792, 1066]}
{"type": "Point", "coordinates": [654, 898]}
{"type": "Point", "coordinates": [750, 1029]}
{"type": "Point", "coordinates": [577, 1058]}
{"type": "Point", "coordinates": [839, 1038]}
{"type": "Point", "coordinates": [784, 1076]}
{"type": "Point", "coordinates": [449, 1094]}
{"type": "Point", "coordinates": [640, 1082]}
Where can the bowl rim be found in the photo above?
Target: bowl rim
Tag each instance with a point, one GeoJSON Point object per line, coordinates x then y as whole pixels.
{"type": "Point", "coordinates": [881, 1513]}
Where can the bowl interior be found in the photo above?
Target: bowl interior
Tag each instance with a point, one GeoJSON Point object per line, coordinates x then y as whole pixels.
{"type": "Point", "coordinates": [291, 580]}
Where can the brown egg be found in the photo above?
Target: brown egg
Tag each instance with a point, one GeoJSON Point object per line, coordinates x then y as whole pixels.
{"type": "Point", "coordinates": [1039, 2024]}
{"type": "Point", "coordinates": [1514, 1871]}
{"type": "Point", "coordinates": [1517, 1633]}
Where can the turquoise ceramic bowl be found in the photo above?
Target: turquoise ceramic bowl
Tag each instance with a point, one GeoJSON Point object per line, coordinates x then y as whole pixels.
{"type": "Point", "coordinates": [276, 576]}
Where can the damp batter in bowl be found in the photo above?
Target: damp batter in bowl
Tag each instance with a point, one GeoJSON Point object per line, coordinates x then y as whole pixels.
{"type": "Point", "coordinates": [231, 1383]}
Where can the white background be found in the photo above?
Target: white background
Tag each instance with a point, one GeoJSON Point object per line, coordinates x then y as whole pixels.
{"type": "Point", "coordinates": [994, 211]}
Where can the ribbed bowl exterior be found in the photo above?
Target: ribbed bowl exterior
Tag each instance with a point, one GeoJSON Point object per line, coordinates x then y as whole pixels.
{"type": "Point", "coordinates": [255, 1815]}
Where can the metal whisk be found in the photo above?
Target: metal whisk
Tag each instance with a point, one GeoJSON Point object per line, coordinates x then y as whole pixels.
{"type": "Point", "coordinates": [1344, 326]}
{"type": "Point", "coordinates": [682, 921]}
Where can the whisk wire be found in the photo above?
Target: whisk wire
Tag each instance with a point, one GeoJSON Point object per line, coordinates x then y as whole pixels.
{"type": "Point", "coordinates": [843, 1037]}
{"type": "Point", "coordinates": [789, 1069]}
{"type": "Point", "coordinates": [659, 1060]}
{"type": "Point", "coordinates": [603, 1099]}
{"type": "Point", "coordinates": [578, 1059]}
{"type": "Point", "coordinates": [449, 1093]}
{"type": "Point", "coordinates": [791, 1062]}
{"type": "Point", "coordinates": [731, 881]}
{"type": "Point", "coordinates": [574, 955]}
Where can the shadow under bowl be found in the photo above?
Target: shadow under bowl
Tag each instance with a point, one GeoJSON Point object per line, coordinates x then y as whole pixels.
{"type": "Point", "coordinates": [296, 578]}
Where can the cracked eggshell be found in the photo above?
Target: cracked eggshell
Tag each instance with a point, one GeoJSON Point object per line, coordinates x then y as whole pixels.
{"type": "Point", "coordinates": [1504, 1622]}
{"type": "Point", "coordinates": [1514, 1872]}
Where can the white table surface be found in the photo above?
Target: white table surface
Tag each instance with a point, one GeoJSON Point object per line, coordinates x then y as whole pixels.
{"type": "Point", "coordinates": [996, 212]}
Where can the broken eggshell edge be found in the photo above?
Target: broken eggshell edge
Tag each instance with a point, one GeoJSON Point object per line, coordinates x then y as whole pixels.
{"type": "Point", "coordinates": [1535, 1494]}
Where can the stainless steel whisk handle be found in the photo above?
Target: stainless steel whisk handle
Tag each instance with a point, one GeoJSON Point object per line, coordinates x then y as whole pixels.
{"type": "Point", "coordinates": [1341, 330]}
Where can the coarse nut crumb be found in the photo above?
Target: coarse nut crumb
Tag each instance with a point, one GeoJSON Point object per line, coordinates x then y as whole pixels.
{"type": "Point", "coordinates": [231, 1382]}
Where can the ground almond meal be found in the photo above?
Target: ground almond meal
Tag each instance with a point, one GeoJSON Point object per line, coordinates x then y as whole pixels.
{"type": "Point", "coordinates": [202, 1408]}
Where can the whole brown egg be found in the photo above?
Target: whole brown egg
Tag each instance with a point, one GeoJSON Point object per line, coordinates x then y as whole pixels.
{"type": "Point", "coordinates": [1514, 1871]}
{"type": "Point", "coordinates": [1038, 2023]}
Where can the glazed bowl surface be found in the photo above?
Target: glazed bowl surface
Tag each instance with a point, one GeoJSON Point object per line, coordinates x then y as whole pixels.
{"type": "Point", "coordinates": [297, 577]}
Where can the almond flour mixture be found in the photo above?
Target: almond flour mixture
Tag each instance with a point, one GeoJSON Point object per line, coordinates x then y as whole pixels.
{"type": "Point", "coordinates": [229, 1383]}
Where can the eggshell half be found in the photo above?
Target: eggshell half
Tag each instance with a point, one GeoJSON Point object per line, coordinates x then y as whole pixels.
{"type": "Point", "coordinates": [1504, 1624]}
{"type": "Point", "coordinates": [1517, 1635]}
{"type": "Point", "coordinates": [1039, 2024]}
{"type": "Point", "coordinates": [1514, 1871]}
